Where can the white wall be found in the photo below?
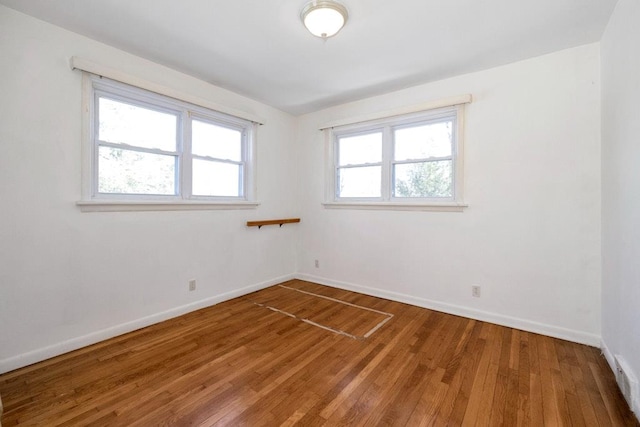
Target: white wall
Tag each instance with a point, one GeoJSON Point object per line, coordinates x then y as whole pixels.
{"type": "Point", "coordinates": [531, 234]}
{"type": "Point", "coordinates": [69, 278]}
{"type": "Point", "coordinates": [530, 237]}
{"type": "Point", "coordinates": [621, 186]}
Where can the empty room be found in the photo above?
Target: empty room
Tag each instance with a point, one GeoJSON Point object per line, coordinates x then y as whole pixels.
{"type": "Point", "coordinates": [319, 212]}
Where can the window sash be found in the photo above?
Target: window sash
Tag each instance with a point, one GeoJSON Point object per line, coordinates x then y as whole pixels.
{"type": "Point", "coordinates": [223, 124]}
{"type": "Point", "coordinates": [141, 102]}
{"type": "Point", "coordinates": [240, 178]}
{"type": "Point", "coordinates": [371, 131]}
{"type": "Point", "coordinates": [388, 163]}
{"type": "Point", "coordinates": [396, 182]}
{"type": "Point", "coordinates": [423, 160]}
{"type": "Point", "coordinates": [243, 163]}
{"type": "Point", "coordinates": [363, 166]}
{"type": "Point", "coordinates": [185, 113]}
{"type": "Point", "coordinates": [174, 179]}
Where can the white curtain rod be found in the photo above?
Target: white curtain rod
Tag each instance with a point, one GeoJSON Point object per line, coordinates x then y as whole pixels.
{"type": "Point", "coordinates": [430, 105]}
{"type": "Point", "coordinates": [114, 74]}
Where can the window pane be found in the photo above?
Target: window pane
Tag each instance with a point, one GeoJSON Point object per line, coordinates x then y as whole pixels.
{"type": "Point", "coordinates": [122, 123]}
{"type": "Point", "coordinates": [426, 179]}
{"type": "Point", "coordinates": [216, 141]}
{"type": "Point", "coordinates": [357, 150]}
{"type": "Point", "coordinates": [360, 182]}
{"type": "Point", "coordinates": [422, 142]}
{"type": "Point", "coordinates": [132, 172]}
{"type": "Point", "coordinates": [216, 178]}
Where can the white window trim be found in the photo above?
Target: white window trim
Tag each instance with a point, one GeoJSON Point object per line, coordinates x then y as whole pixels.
{"type": "Point", "coordinates": [91, 202]}
{"type": "Point", "coordinates": [397, 206]}
{"type": "Point", "coordinates": [156, 205]}
{"type": "Point", "coordinates": [456, 204]}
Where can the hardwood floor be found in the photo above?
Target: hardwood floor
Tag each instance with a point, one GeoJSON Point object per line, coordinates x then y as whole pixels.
{"type": "Point", "coordinates": [253, 361]}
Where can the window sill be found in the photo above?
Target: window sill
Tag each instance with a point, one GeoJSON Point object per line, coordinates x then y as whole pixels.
{"type": "Point", "coordinates": [396, 206]}
{"type": "Point", "coordinates": [132, 206]}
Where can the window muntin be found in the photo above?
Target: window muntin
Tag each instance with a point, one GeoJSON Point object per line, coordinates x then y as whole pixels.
{"type": "Point", "coordinates": [423, 160]}
{"type": "Point", "coordinates": [416, 159]}
{"type": "Point", "coordinates": [359, 170]}
{"type": "Point", "coordinates": [149, 147]}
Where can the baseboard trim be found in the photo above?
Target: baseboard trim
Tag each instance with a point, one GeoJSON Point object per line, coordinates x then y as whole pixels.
{"type": "Point", "coordinates": [512, 322]}
{"type": "Point", "coordinates": [608, 355]}
{"type": "Point", "coordinates": [635, 406]}
{"type": "Point", "coordinates": [44, 353]}
{"type": "Point", "coordinates": [25, 359]}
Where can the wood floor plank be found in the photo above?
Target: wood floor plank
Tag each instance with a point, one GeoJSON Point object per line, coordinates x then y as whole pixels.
{"type": "Point", "coordinates": [237, 363]}
{"type": "Point", "coordinates": [498, 405]}
{"type": "Point", "coordinates": [591, 387]}
{"type": "Point", "coordinates": [375, 366]}
{"type": "Point", "coordinates": [475, 395]}
{"type": "Point", "coordinates": [524, 382]}
{"type": "Point", "coordinates": [469, 366]}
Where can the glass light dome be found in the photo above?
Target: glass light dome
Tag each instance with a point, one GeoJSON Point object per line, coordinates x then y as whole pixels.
{"type": "Point", "coordinates": [324, 18]}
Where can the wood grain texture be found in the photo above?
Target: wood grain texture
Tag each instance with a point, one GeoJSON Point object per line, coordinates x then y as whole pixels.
{"type": "Point", "coordinates": [238, 363]}
{"type": "Point", "coordinates": [279, 222]}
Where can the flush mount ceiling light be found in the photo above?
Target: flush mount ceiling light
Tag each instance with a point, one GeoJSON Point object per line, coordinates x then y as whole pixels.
{"type": "Point", "coordinates": [324, 18]}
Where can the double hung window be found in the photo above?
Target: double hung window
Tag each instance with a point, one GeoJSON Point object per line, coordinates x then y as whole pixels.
{"type": "Point", "coordinates": [410, 159]}
{"type": "Point", "coordinates": [148, 147]}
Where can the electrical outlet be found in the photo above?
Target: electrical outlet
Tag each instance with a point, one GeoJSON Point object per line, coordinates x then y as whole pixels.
{"type": "Point", "coordinates": [192, 285]}
{"type": "Point", "coordinates": [475, 291]}
{"type": "Point", "coordinates": [317, 264]}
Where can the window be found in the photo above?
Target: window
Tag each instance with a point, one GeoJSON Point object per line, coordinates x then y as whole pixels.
{"type": "Point", "coordinates": [409, 160]}
{"type": "Point", "coordinates": [145, 147]}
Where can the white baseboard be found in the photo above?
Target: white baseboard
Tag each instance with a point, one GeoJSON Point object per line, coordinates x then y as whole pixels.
{"type": "Point", "coordinates": [499, 319]}
{"type": "Point", "coordinates": [608, 355]}
{"type": "Point", "coordinates": [44, 353]}
{"type": "Point", "coordinates": [635, 405]}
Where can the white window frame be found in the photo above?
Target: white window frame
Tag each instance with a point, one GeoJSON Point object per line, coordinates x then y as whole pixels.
{"type": "Point", "coordinates": [95, 86]}
{"type": "Point", "coordinates": [387, 125]}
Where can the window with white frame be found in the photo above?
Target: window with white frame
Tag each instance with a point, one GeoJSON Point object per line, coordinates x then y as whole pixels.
{"type": "Point", "coordinates": [410, 159]}
{"type": "Point", "coordinates": [148, 147]}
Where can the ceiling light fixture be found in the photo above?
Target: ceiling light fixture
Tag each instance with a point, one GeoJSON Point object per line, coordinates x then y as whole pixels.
{"type": "Point", "coordinates": [324, 18]}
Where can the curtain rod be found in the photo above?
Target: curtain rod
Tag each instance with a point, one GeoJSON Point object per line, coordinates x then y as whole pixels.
{"type": "Point", "coordinates": [88, 66]}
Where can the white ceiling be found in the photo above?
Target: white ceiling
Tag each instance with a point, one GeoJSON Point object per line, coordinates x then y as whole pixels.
{"type": "Point", "coordinates": [259, 48]}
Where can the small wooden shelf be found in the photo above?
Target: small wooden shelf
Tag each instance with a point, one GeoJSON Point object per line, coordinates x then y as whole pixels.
{"type": "Point", "coordinates": [279, 222]}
